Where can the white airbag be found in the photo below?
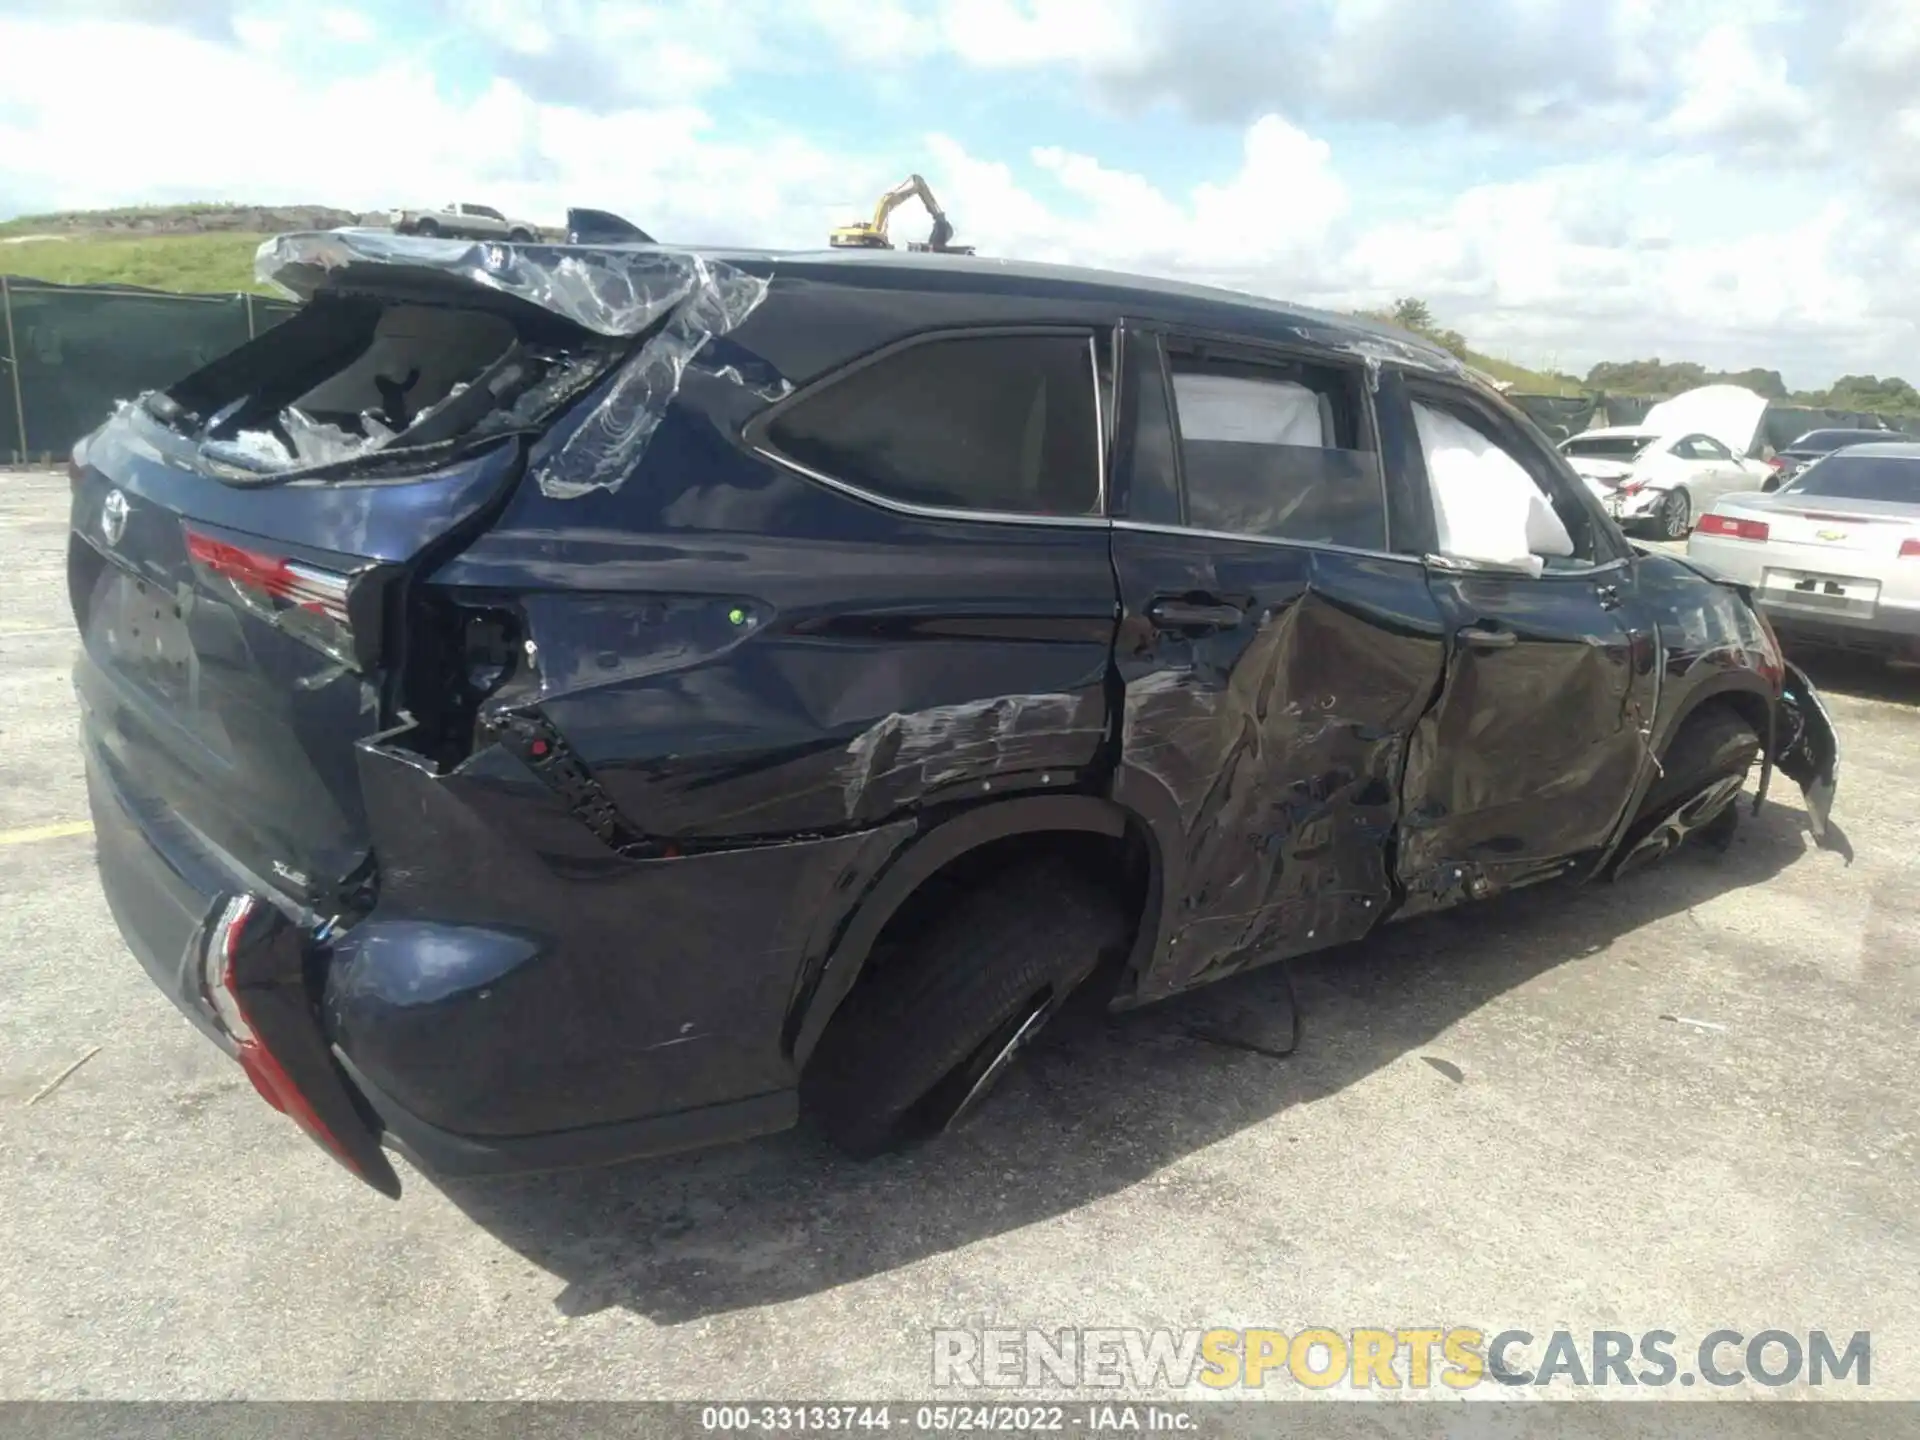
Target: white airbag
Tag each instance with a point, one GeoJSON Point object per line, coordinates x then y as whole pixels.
{"type": "Point", "coordinates": [1486, 507]}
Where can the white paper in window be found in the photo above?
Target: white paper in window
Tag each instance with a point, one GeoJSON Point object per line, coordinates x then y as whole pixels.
{"type": "Point", "coordinates": [1252, 412]}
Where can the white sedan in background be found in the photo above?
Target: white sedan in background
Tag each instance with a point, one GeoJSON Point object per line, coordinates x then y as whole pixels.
{"type": "Point", "coordinates": [1659, 480]}
{"type": "Point", "coordinates": [1833, 555]}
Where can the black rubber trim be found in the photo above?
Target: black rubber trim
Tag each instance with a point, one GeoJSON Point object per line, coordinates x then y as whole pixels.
{"type": "Point", "coordinates": [545, 751]}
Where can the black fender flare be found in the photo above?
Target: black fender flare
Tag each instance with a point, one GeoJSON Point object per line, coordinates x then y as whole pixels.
{"type": "Point", "coordinates": [1733, 682]}
{"type": "Point", "coordinates": [912, 866]}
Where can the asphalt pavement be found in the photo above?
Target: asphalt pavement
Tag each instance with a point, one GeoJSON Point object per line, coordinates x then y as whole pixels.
{"type": "Point", "coordinates": [1680, 1103]}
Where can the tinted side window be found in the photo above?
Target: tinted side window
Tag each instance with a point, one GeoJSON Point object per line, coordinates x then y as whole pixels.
{"type": "Point", "coordinates": [1276, 450]}
{"type": "Point", "coordinates": [1001, 422]}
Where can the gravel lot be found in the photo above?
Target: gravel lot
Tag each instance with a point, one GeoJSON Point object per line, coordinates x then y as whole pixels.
{"type": "Point", "coordinates": [1489, 1123]}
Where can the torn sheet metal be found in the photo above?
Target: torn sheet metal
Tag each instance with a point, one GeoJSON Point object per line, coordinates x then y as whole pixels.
{"type": "Point", "coordinates": [609, 290]}
{"type": "Point", "coordinates": [604, 448]}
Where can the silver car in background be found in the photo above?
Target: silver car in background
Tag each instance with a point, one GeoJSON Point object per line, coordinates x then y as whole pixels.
{"type": "Point", "coordinates": [464, 220]}
{"type": "Point", "coordinates": [1833, 556]}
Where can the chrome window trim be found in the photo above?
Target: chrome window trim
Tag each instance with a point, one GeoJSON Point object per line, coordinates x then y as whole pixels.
{"type": "Point", "coordinates": [1465, 569]}
{"type": "Point", "coordinates": [931, 512]}
{"type": "Point", "coordinates": [1099, 429]}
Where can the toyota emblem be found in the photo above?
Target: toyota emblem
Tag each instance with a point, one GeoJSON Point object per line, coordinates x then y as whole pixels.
{"type": "Point", "coordinates": [113, 517]}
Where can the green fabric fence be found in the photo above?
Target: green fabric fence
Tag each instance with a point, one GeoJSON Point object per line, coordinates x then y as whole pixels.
{"type": "Point", "coordinates": [68, 352]}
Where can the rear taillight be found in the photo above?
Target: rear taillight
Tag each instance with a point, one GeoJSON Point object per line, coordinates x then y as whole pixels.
{"type": "Point", "coordinates": [216, 966]}
{"type": "Point", "coordinates": [1733, 529]}
{"type": "Point", "coordinates": [1633, 487]}
{"type": "Point", "coordinates": [1910, 549]}
{"type": "Point", "coordinates": [1779, 462]}
{"type": "Point", "coordinates": [277, 1087]}
{"type": "Point", "coordinates": [306, 601]}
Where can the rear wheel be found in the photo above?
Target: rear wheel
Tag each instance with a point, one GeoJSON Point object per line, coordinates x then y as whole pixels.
{"type": "Point", "coordinates": [922, 1039]}
{"type": "Point", "coordinates": [426, 227]}
{"type": "Point", "coordinates": [1702, 774]}
{"type": "Point", "coordinates": [1675, 517]}
{"type": "Point", "coordinates": [519, 237]}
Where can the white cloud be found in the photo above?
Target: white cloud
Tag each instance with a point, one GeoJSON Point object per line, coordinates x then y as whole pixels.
{"type": "Point", "coordinates": [348, 27]}
{"type": "Point", "coordinates": [331, 139]}
{"type": "Point", "coordinates": [1694, 249]}
{"type": "Point", "coordinates": [1733, 91]}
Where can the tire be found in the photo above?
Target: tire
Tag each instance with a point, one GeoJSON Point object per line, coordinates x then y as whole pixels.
{"type": "Point", "coordinates": [519, 237]}
{"type": "Point", "coordinates": [427, 228]}
{"type": "Point", "coordinates": [920, 1040]}
{"type": "Point", "coordinates": [1675, 517]}
{"type": "Point", "coordinates": [1688, 797]}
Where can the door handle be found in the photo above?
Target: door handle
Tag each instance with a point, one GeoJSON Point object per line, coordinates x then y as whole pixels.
{"type": "Point", "coordinates": [1192, 615]}
{"type": "Point", "coordinates": [1486, 638]}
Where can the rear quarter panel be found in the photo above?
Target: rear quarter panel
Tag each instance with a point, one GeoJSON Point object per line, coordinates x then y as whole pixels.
{"type": "Point", "coordinates": [740, 652]}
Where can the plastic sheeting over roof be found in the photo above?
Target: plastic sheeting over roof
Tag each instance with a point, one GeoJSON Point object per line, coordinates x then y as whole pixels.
{"type": "Point", "coordinates": [610, 290]}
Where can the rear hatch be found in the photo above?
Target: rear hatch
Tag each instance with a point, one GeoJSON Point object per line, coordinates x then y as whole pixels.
{"type": "Point", "coordinates": [243, 543]}
{"type": "Point", "coordinates": [1604, 474]}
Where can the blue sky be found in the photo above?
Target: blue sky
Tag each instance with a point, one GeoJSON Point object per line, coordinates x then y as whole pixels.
{"type": "Point", "coordinates": [1734, 181]}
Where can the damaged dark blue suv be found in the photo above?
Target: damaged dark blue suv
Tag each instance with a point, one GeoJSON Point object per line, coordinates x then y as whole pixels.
{"type": "Point", "coordinates": [545, 705]}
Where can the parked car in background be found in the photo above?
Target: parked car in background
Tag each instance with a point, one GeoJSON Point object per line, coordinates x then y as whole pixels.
{"type": "Point", "coordinates": [1659, 482]}
{"type": "Point", "coordinates": [1833, 555]}
{"type": "Point", "coordinates": [469, 222]}
{"type": "Point", "coordinates": [1789, 462]}
{"type": "Point", "coordinates": [739, 683]}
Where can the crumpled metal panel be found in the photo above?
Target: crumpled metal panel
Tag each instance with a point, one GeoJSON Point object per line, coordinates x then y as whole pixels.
{"type": "Point", "coordinates": [1268, 755]}
{"type": "Point", "coordinates": [609, 290]}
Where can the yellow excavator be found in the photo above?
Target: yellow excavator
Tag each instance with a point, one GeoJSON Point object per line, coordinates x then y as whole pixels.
{"type": "Point", "coordinates": [872, 234]}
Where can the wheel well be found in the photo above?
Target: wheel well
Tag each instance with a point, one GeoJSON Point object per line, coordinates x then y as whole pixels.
{"type": "Point", "coordinates": [1755, 709]}
{"type": "Point", "coordinates": [1748, 706]}
{"type": "Point", "coordinates": [1122, 865]}
{"type": "Point", "coordinates": [1118, 864]}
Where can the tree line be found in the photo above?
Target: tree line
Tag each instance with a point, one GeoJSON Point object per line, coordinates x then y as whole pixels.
{"type": "Point", "coordinates": [1871, 393]}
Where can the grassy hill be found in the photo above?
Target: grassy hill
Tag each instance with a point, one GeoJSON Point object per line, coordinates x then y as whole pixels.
{"type": "Point", "coordinates": [209, 248]}
{"type": "Point", "coordinates": [1523, 380]}
{"type": "Point", "coordinates": [204, 247]}
{"type": "Point", "coordinates": [163, 262]}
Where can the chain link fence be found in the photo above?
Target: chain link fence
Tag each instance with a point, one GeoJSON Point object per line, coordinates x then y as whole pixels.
{"type": "Point", "coordinates": [68, 352]}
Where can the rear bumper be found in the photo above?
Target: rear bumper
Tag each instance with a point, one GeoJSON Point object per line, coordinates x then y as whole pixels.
{"type": "Point", "coordinates": [199, 926]}
{"type": "Point", "coordinates": [1892, 627]}
{"type": "Point", "coordinates": [164, 902]}
{"type": "Point", "coordinates": [585, 1008]}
